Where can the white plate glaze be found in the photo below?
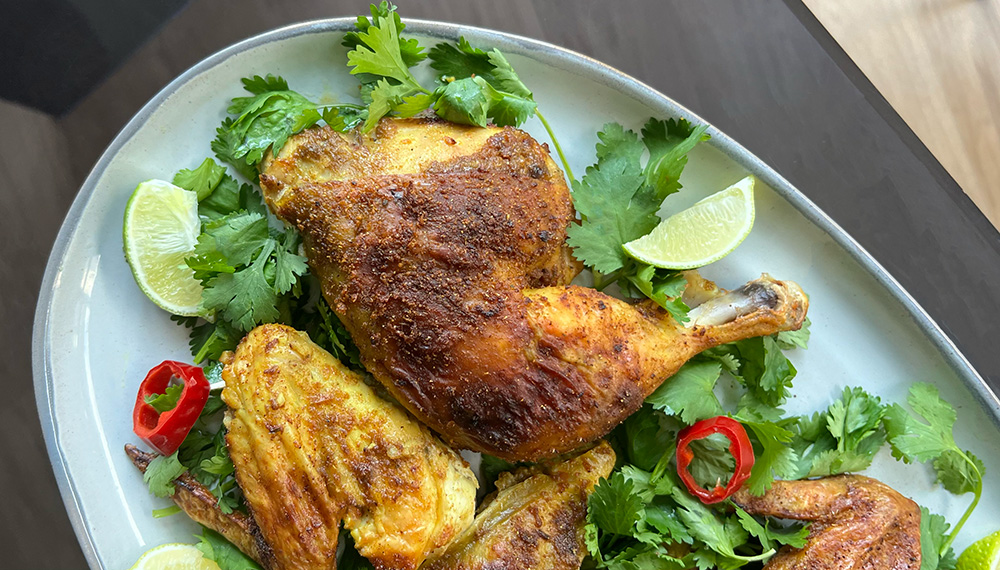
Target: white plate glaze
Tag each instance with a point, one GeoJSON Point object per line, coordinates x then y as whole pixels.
{"type": "Point", "coordinates": [96, 334]}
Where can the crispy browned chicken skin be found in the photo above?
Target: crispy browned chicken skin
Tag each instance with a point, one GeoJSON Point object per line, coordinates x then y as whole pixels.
{"type": "Point", "coordinates": [443, 250]}
{"type": "Point", "coordinates": [534, 520]}
{"type": "Point", "coordinates": [313, 445]}
{"type": "Point", "coordinates": [203, 507]}
{"type": "Point", "coordinates": [858, 523]}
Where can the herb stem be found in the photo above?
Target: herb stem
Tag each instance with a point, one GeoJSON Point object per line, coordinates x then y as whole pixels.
{"type": "Point", "coordinates": [968, 512]}
{"type": "Point", "coordinates": [555, 143]}
{"type": "Point", "coordinates": [762, 556]}
{"type": "Point", "coordinates": [349, 105]}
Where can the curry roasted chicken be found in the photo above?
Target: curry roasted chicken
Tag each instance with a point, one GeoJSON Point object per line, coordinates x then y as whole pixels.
{"type": "Point", "coordinates": [313, 445]}
{"type": "Point", "coordinates": [442, 248]}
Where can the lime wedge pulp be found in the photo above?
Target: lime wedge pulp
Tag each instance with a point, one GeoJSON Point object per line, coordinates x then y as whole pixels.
{"type": "Point", "coordinates": [984, 554]}
{"type": "Point", "coordinates": [174, 557]}
{"type": "Point", "coordinates": [703, 233]}
{"type": "Point", "coordinates": [161, 229]}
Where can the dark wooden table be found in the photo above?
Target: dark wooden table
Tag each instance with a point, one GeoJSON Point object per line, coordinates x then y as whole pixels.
{"type": "Point", "coordinates": [765, 72]}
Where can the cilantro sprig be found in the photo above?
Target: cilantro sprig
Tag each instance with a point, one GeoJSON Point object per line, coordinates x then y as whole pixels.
{"type": "Point", "coordinates": [927, 435]}
{"type": "Point", "coordinates": [473, 86]}
{"type": "Point", "coordinates": [252, 273]}
{"type": "Point", "coordinates": [266, 119]}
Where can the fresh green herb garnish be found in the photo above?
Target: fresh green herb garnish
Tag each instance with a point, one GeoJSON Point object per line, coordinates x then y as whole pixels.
{"type": "Point", "coordinates": [843, 439]}
{"type": "Point", "coordinates": [618, 199]}
{"type": "Point", "coordinates": [252, 273]}
{"type": "Point", "coordinates": [201, 180]}
{"type": "Point", "coordinates": [641, 517]}
{"type": "Point", "coordinates": [268, 117]}
{"type": "Point", "coordinates": [927, 436]}
{"type": "Point", "coordinates": [215, 547]}
{"type": "Point", "coordinates": [935, 550]}
{"type": "Point", "coordinates": [167, 400]}
{"type": "Point", "coordinates": [160, 474]}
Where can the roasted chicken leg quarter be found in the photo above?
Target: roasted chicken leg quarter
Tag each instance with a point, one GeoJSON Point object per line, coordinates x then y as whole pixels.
{"type": "Point", "coordinates": [859, 523]}
{"type": "Point", "coordinates": [313, 445]}
{"type": "Point", "coordinates": [442, 248]}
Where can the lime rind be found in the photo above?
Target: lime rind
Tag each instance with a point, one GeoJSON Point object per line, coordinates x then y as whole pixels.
{"type": "Point", "coordinates": [174, 556]}
{"type": "Point", "coordinates": [702, 234]}
{"type": "Point", "coordinates": [984, 554]}
{"type": "Point", "coordinates": [160, 231]}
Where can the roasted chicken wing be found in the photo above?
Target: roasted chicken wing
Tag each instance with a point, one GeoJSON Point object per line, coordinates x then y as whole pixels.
{"type": "Point", "coordinates": [203, 507]}
{"type": "Point", "coordinates": [534, 520]}
{"type": "Point", "coordinates": [443, 250]}
{"type": "Point", "coordinates": [313, 445]}
{"type": "Point", "coordinates": [858, 523]}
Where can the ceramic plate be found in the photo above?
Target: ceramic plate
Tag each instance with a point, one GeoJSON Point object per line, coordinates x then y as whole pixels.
{"type": "Point", "coordinates": [96, 334]}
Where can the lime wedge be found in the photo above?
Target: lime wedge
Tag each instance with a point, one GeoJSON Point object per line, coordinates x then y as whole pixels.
{"type": "Point", "coordinates": [174, 557]}
{"type": "Point", "coordinates": [703, 233]}
{"type": "Point", "coordinates": [984, 554]}
{"type": "Point", "coordinates": [161, 229]}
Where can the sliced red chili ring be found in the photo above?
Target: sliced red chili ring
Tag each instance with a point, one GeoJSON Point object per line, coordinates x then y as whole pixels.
{"type": "Point", "coordinates": [739, 446]}
{"type": "Point", "coordinates": [165, 431]}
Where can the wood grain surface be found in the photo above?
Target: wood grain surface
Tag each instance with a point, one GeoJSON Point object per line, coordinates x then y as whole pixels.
{"type": "Point", "coordinates": [938, 64]}
{"type": "Point", "coordinates": [765, 72]}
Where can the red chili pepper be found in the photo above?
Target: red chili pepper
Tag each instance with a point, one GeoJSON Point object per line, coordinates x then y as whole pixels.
{"type": "Point", "coordinates": [165, 431]}
{"type": "Point", "coordinates": [739, 446]}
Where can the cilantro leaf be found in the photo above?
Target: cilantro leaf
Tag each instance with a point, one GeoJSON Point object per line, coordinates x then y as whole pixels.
{"type": "Point", "coordinates": [209, 340]}
{"type": "Point", "coordinates": [661, 285]}
{"type": "Point", "coordinates": [669, 142]}
{"type": "Point", "coordinates": [215, 547]}
{"type": "Point", "coordinates": [167, 400]}
{"type": "Point", "coordinates": [263, 121]}
{"type": "Point", "coordinates": [499, 92]}
{"type": "Point", "coordinates": [613, 506]}
{"type": "Point", "coordinates": [689, 393]}
{"type": "Point", "coordinates": [465, 101]}
{"type": "Point", "coordinates": [377, 55]}
{"type": "Point", "coordinates": [202, 180]}
{"type": "Point", "coordinates": [225, 147]}
{"type": "Point", "coordinates": [788, 340]}
{"type": "Point", "coordinates": [229, 197]}
{"type": "Point", "coordinates": [959, 472]}
{"type": "Point", "coordinates": [765, 370]}
{"type": "Point", "coordinates": [933, 538]}
{"type": "Point", "coordinates": [665, 520]}
{"type": "Point", "coordinates": [773, 455]}
{"type": "Point", "coordinates": [462, 60]}
{"type": "Point", "coordinates": [712, 464]}
{"type": "Point", "coordinates": [237, 238]}
{"type": "Point", "coordinates": [244, 298]}
{"type": "Point", "coordinates": [723, 536]}
{"type": "Point", "coordinates": [410, 50]}
{"type": "Point", "coordinates": [912, 439]}
{"type": "Point", "coordinates": [647, 439]}
{"type": "Point", "coordinates": [931, 438]}
{"type": "Point", "coordinates": [288, 264]}
{"type": "Point", "coordinates": [792, 535]}
{"type": "Point", "coordinates": [842, 439]}
{"type": "Point", "coordinates": [160, 474]}
{"type": "Point", "coordinates": [615, 206]}
{"type": "Point", "coordinates": [856, 416]}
